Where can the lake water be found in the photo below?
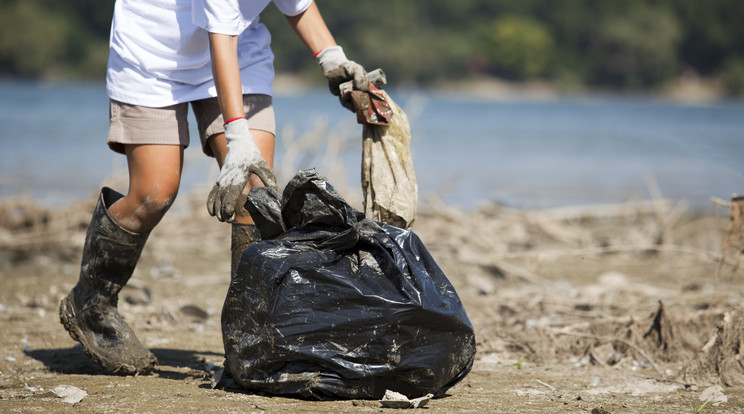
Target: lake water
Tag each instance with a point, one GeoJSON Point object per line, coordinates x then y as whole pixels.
{"type": "Point", "coordinates": [466, 150]}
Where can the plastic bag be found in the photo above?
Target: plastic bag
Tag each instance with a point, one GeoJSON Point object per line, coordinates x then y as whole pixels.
{"type": "Point", "coordinates": [332, 305]}
{"type": "Point", "coordinates": [388, 178]}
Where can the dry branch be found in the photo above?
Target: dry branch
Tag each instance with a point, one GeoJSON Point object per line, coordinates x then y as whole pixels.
{"type": "Point", "coordinates": [543, 254]}
{"type": "Point", "coordinates": [610, 340]}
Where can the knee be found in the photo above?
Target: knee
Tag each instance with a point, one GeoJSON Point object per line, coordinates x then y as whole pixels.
{"type": "Point", "coordinates": [143, 208]}
{"type": "Point", "coordinates": [157, 201]}
{"type": "Point", "coordinates": [151, 204]}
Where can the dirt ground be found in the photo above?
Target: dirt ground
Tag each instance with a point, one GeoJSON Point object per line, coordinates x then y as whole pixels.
{"type": "Point", "coordinates": [604, 309]}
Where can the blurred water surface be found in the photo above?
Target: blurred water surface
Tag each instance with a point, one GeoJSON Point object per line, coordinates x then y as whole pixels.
{"type": "Point", "coordinates": [524, 153]}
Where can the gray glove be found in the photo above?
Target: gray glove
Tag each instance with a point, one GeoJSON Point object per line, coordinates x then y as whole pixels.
{"type": "Point", "coordinates": [243, 159]}
{"type": "Point", "coordinates": [338, 69]}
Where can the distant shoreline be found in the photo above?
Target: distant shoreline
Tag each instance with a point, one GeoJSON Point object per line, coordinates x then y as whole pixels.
{"type": "Point", "coordinates": [685, 89]}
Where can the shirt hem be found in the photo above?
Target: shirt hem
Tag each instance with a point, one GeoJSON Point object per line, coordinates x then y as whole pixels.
{"type": "Point", "coordinates": [127, 99]}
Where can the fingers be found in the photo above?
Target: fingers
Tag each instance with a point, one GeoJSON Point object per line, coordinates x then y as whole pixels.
{"type": "Point", "coordinates": [212, 199]}
{"type": "Point", "coordinates": [353, 73]}
{"type": "Point", "coordinates": [361, 80]}
{"type": "Point", "coordinates": [335, 78]}
{"type": "Point", "coordinates": [228, 201]}
{"type": "Point", "coordinates": [222, 200]}
{"type": "Point", "coordinates": [267, 176]}
{"type": "Point", "coordinates": [349, 71]}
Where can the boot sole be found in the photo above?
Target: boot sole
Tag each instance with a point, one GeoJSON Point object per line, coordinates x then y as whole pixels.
{"type": "Point", "coordinates": [68, 319]}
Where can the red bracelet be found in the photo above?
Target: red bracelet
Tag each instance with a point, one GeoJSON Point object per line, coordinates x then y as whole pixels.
{"type": "Point", "coordinates": [234, 119]}
{"type": "Point", "coordinates": [315, 55]}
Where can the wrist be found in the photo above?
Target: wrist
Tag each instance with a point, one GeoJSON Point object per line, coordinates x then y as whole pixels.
{"type": "Point", "coordinates": [232, 120]}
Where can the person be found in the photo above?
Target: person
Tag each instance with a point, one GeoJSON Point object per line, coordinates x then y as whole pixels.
{"type": "Point", "coordinates": [164, 56]}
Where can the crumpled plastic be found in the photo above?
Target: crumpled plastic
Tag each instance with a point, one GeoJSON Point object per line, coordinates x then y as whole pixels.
{"type": "Point", "coordinates": [388, 178]}
{"type": "Point", "coordinates": [333, 305]}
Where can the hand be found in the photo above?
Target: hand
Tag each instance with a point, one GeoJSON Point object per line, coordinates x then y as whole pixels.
{"type": "Point", "coordinates": [243, 159]}
{"type": "Point", "coordinates": [338, 69]}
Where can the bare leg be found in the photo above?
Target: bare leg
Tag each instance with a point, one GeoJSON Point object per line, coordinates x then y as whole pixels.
{"type": "Point", "coordinates": [154, 178]}
{"type": "Point", "coordinates": [265, 142]}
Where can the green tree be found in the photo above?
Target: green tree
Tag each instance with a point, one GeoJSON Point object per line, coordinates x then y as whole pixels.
{"type": "Point", "coordinates": [32, 40]}
{"type": "Point", "coordinates": [712, 32]}
{"type": "Point", "coordinates": [600, 43]}
{"type": "Point", "coordinates": [733, 76]}
{"type": "Point", "coordinates": [519, 47]}
{"type": "Point", "coordinates": [636, 49]}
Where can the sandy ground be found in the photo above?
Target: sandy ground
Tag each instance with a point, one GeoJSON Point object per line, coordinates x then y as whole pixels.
{"type": "Point", "coordinates": [602, 309]}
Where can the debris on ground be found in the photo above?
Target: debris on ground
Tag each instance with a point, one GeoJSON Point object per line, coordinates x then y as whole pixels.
{"type": "Point", "coordinates": [69, 394]}
{"type": "Point", "coordinates": [394, 399]}
{"type": "Point", "coordinates": [629, 304]}
{"type": "Point", "coordinates": [713, 395]}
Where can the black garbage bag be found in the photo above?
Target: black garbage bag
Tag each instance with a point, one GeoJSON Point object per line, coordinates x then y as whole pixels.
{"type": "Point", "coordinates": [332, 305]}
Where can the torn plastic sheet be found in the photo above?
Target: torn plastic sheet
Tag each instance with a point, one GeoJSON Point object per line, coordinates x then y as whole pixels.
{"type": "Point", "coordinates": [388, 178]}
{"type": "Point", "coordinates": [333, 305]}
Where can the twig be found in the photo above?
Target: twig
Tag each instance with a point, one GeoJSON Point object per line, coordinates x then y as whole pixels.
{"type": "Point", "coordinates": [552, 388]}
{"type": "Point", "coordinates": [667, 380]}
{"type": "Point", "coordinates": [508, 268]}
{"type": "Point", "coordinates": [603, 210]}
{"type": "Point", "coordinates": [606, 339]}
{"type": "Point", "coordinates": [610, 249]}
{"type": "Point", "coordinates": [657, 199]}
{"type": "Point", "coordinates": [720, 202]}
{"type": "Point", "coordinates": [597, 360]}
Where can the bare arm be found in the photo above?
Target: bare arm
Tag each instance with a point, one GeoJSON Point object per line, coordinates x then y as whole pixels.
{"type": "Point", "coordinates": [308, 25]}
{"type": "Point", "coordinates": [243, 157]}
{"type": "Point", "coordinates": [226, 73]}
{"type": "Point", "coordinates": [336, 67]}
{"type": "Point", "coordinates": [311, 29]}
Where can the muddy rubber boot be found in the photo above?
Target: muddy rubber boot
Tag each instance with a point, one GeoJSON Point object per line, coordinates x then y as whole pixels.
{"type": "Point", "coordinates": [89, 312]}
{"type": "Point", "coordinates": [243, 235]}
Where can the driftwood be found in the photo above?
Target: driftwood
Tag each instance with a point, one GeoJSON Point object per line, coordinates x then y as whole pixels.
{"type": "Point", "coordinates": [734, 239]}
{"type": "Point", "coordinates": [720, 360]}
{"type": "Point", "coordinates": [494, 237]}
{"type": "Point", "coordinates": [547, 318]}
{"type": "Point", "coordinates": [602, 339]}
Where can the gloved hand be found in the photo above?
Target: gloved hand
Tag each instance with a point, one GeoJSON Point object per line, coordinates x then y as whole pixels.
{"type": "Point", "coordinates": [243, 159]}
{"type": "Point", "coordinates": [338, 69]}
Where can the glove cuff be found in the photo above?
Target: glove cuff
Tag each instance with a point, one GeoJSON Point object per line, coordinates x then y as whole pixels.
{"type": "Point", "coordinates": [231, 120]}
{"type": "Point", "coordinates": [330, 58]}
{"type": "Point", "coordinates": [237, 128]}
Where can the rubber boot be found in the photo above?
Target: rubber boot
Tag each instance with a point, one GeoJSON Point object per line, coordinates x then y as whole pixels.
{"type": "Point", "coordinates": [243, 235]}
{"type": "Point", "coordinates": [89, 313]}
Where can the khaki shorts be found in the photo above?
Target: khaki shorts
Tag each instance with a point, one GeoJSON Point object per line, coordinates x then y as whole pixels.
{"type": "Point", "coordinates": [133, 124]}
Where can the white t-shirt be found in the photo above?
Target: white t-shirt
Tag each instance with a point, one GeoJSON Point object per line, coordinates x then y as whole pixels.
{"type": "Point", "coordinates": [231, 17]}
{"type": "Point", "coordinates": [159, 57]}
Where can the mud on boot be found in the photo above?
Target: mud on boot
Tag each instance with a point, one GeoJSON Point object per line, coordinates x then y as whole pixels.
{"type": "Point", "coordinates": [89, 313]}
{"type": "Point", "coordinates": [243, 236]}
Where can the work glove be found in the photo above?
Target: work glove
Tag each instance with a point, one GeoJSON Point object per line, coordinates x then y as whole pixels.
{"type": "Point", "coordinates": [337, 68]}
{"type": "Point", "coordinates": [243, 159]}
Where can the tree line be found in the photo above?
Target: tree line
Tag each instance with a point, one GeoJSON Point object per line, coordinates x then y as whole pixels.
{"type": "Point", "coordinates": [619, 45]}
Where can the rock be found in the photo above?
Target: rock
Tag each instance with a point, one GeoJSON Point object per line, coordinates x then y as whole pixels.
{"type": "Point", "coordinates": [69, 393]}
{"type": "Point", "coordinates": [714, 395]}
{"type": "Point", "coordinates": [195, 313]}
{"type": "Point", "coordinates": [394, 399]}
{"type": "Point", "coordinates": [137, 296]}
